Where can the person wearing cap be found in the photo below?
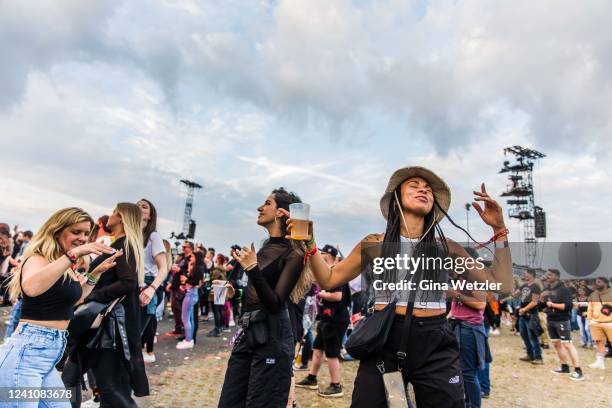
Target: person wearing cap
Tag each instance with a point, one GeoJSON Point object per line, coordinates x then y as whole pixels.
{"type": "Point", "coordinates": [333, 322]}
{"type": "Point", "coordinates": [414, 202]}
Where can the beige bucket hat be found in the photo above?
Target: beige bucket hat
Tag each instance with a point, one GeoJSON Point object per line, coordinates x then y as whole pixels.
{"type": "Point", "coordinates": [440, 189]}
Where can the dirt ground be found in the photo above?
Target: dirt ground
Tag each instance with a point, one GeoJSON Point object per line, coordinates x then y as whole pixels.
{"type": "Point", "coordinates": [514, 383]}
{"type": "Point", "coordinates": [193, 378]}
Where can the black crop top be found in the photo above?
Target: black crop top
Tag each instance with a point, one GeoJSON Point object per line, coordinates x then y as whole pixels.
{"type": "Point", "coordinates": [57, 303]}
{"type": "Point", "coordinates": [269, 286]}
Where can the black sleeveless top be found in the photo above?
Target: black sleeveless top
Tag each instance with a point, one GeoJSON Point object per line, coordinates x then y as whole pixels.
{"type": "Point", "coordinates": [57, 303]}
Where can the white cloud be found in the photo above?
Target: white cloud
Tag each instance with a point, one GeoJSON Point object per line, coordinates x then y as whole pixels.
{"type": "Point", "coordinates": [106, 101]}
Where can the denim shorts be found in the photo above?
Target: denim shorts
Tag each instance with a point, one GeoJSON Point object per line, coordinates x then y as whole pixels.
{"type": "Point", "coordinates": [27, 361]}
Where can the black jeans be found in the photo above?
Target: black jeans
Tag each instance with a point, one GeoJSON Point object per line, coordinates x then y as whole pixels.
{"type": "Point", "coordinates": [111, 377]}
{"type": "Point", "coordinates": [432, 366]}
{"type": "Point", "coordinates": [204, 303]}
{"type": "Point", "coordinates": [306, 349]}
{"type": "Point", "coordinates": [219, 314]}
{"type": "Point", "coordinates": [259, 376]}
{"type": "Point", "coordinates": [196, 321]}
{"type": "Point", "coordinates": [71, 377]}
{"type": "Point", "coordinates": [176, 302]}
{"type": "Point", "coordinates": [149, 324]}
{"type": "Point", "coordinates": [113, 380]}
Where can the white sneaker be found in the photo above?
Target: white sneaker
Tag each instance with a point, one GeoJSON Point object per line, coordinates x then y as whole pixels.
{"type": "Point", "coordinates": [90, 404]}
{"type": "Point", "coordinates": [232, 323]}
{"type": "Point", "coordinates": [599, 363]}
{"type": "Point", "coordinates": [495, 332]}
{"type": "Point", "coordinates": [148, 358]}
{"type": "Point", "coordinates": [184, 345]}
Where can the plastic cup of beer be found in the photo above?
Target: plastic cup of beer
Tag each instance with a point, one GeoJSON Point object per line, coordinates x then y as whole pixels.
{"type": "Point", "coordinates": [300, 215]}
{"type": "Point", "coordinates": [220, 293]}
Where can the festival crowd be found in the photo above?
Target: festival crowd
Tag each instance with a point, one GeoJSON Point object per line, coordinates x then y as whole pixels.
{"type": "Point", "coordinates": [86, 297]}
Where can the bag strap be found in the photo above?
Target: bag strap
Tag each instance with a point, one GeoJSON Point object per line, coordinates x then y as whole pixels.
{"type": "Point", "coordinates": [402, 352]}
{"type": "Point", "coordinates": [112, 305]}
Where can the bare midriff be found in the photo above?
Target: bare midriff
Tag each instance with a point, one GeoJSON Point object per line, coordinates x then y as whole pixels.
{"type": "Point", "coordinates": [52, 324]}
{"type": "Point", "coordinates": [415, 312]}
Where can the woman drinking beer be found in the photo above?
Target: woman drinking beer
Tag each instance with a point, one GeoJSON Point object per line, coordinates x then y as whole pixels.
{"type": "Point", "coordinates": [259, 369]}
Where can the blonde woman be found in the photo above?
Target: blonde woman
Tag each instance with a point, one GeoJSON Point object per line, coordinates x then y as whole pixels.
{"type": "Point", "coordinates": [50, 289]}
{"type": "Point", "coordinates": [118, 371]}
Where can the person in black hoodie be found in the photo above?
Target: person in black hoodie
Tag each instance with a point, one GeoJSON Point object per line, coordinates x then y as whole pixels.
{"type": "Point", "coordinates": [259, 369]}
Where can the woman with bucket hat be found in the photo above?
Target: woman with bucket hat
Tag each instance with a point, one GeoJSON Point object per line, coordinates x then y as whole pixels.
{"type": "Point", "coordinates": [417, 341]}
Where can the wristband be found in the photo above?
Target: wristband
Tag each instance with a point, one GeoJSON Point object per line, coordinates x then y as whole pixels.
{"type": "Point", "coordinates": [502, 244]}
{"type": "Point", "coordinates": [494, 238]}
{"type": "Point", "coordinates": [72, 257]}
{"type": "Point", "coordinates": [311, 242]}
{"type": "Point", "coordinates": [500, 234]}
{"type": "Point", "coordinates": [251, 266]}
{"type": "Point", "coordinates": [310, 253]}
{"type": "Point", "coordinates": [90, 279]}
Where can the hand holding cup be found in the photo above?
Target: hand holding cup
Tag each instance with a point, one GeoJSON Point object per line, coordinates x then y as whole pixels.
{"type": "Point", "coordinates": [292, 224]}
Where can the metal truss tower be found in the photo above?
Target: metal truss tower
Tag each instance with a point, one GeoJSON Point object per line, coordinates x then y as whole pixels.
{"type": "Point", "coordinates": [189, 225]}
{"type": "Point", "coordinates": [523, 208]}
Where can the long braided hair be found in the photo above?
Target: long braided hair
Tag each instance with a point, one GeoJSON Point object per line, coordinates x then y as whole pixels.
{"type": "Point", "coordinates": [432, 245]}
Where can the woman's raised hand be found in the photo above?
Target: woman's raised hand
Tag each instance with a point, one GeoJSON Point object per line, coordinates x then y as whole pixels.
{"type": "Point", "coordinates": [95, 248]}
{"type": "Point", "coordinates": [492, 213]}
{"type": "Point", "coordinates": [246, 256]}
{"type": "Point", "coordinates": [107, 264]}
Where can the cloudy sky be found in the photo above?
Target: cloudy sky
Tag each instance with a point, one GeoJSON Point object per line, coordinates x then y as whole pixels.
{"type": "Point", "coordinates": [106, 101]}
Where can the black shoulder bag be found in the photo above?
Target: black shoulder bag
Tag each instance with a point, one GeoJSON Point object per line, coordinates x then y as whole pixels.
{"type": "Point", "coordinates": [370, 334]}
{"type": "Point", "coordinates": [90, 316]}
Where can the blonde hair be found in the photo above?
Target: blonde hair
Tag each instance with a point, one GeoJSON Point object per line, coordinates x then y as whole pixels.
{"type": "Point", "coordinates": [45, 243]}
{"type": "Point", "coordinates": [305, 280]}
{"type": "Point", "coordinates": [131, 218]}
{"type": "Point", "coordinates": [168, 254]}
